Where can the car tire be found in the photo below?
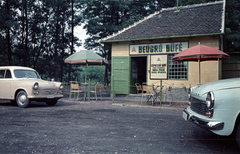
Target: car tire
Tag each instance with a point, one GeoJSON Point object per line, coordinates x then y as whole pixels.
{"type": "Point", "coordinates": [22, 99]}
{"type": "Point", "coordinates": [238, 135]}
{"type": "Point", "coordinates": [52, 102]}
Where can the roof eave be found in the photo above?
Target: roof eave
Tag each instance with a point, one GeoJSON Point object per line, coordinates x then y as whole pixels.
{"type": "Point", "coordinates": [157, 38]}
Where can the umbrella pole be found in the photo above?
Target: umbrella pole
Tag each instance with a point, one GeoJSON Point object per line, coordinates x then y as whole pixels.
{"type": "Point", "coordinates": [86, 73]}
{"type": "Point", "coordinates": [199, 71]}
{"type": "Point", "coordinates": [85, 84]}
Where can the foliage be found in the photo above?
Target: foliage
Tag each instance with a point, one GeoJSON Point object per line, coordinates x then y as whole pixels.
{"type": "Point", "coordinates": [95, 73]}
{"type": "Point", "coordinates": [103, 18]}
{"type": "Point", "coordinates": [233, 26]}
{"type": "Point", "coordinates": [37, 34]}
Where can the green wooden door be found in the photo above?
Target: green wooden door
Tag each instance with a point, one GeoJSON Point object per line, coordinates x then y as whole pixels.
{"type": "Point", "coordinates": [121, 74]}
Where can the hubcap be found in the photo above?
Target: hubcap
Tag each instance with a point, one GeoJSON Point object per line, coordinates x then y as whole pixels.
{"type": "Point", "coordinates": [22, 99]}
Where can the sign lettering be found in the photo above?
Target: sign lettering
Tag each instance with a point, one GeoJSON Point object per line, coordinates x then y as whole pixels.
{"type": "Point", "coordinates": [159, 66]}
{"type": "Point", "coordinates": [158, 48]}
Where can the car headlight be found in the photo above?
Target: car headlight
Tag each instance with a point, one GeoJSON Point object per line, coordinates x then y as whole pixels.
{"type": "Point", "coordinates": [210, 100]}
{"type": "Point", "coordinates": [210, 104]}
{"type": "Point", "coordinates": [61, 87]}
{"type": "Point", "coordinates": [35, 86]}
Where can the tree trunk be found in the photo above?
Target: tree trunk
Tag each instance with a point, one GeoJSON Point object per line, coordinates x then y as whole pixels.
{"type": "Point", "coordinates": [9, 48]}
{"type": "Point", "coordinates": [26, 57]}
{"type": "Point", "coordinates": [72, 41]}
{"type": "Point", "coordinates": [8, 36]}
{"type": "Point", "coordinates": [56, 48]}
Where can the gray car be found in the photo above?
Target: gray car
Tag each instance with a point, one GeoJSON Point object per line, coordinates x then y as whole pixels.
{"type": "Point", "coordinates": [216, 107]}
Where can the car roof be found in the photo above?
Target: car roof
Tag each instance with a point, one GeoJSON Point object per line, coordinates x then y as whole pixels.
{"type": "Point", "coordinates": [15, 67]}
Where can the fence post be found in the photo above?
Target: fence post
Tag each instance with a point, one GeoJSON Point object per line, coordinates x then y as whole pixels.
{"type": "Point", "coordinates": [89, 90]}
{"type": "Point", "coordinates": [160, 93]}
{"type": "Point", "coordinates": [112, 87]}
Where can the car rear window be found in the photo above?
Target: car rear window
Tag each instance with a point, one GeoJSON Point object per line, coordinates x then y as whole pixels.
{"type": "Point", "coordinates": [5, 74]}
{"type": "Point", "coordinates": [8, 74]}
{"type": "Point", "coordinates": [2, 73]}
{"type": "Point", "coordinates": [26, 74]}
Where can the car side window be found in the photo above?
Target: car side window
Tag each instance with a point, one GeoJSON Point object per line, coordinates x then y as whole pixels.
{"type": "Point", "coordinates": [5, 74]}
{"type": "Point", "coordinates": [8, 74]}
{"type": "Point", "coordinates": [2, 74]}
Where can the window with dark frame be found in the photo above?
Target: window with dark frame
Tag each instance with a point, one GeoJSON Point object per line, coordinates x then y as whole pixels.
{"type": "Point", "coordinates": [2, 73]}
{"type": "Point", "coordinates": [177, 70]}
{"type": "Point", "coordinates": [8, 74]}
{"type": "Point", "coordinates": [5, 74]}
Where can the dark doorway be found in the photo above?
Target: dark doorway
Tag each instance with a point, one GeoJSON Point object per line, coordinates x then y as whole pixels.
{"type": "Point", "coordinates": [139, 65]}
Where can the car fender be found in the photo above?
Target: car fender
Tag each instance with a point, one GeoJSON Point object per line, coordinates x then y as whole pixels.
{"type": "Point", "coordinates": [25, 85]}
{"type": "Point", "coordinates": [226, 109]}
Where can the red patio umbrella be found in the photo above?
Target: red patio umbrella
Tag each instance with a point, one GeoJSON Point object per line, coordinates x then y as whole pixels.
{"type": "Point", "coordinates": [200, 53]}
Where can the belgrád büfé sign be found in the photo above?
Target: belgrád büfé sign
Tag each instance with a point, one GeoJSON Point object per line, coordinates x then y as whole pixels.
{"type": "Point", "coordinates": [158, 48]}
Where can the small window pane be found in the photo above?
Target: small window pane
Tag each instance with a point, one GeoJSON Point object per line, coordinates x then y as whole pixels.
{"type": "Point", "coordinates": [176, 70]}
{"type": "Point", "coordinates": [8, 74]}
{"type": "Point", "coordinates": [2, 73]}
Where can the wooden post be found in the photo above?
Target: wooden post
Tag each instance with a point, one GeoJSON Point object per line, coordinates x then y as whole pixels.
{"type": "Point", "coordinates": [89, 91]}
{"type": "Point", "coordinates": [160, 93]}
{"type": "Point", "coordinates": [112, 85]}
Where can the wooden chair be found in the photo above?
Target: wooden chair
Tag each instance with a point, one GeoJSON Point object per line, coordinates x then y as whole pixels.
{"type": "Point", "coordinates": [138, 87]}
{"type": "Point", "coordinates": [74, 88]}
{"type": "Point", "coordinates": [98, 89]}
{"type": "Point", "coordinates": [147, 90]}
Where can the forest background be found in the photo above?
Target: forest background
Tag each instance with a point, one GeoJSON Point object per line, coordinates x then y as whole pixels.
{"type": "Point", "coordinates": [40, 33]}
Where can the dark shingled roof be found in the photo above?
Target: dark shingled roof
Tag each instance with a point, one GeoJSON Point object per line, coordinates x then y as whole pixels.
{"type": "Point", "coordinates": [191, 20]}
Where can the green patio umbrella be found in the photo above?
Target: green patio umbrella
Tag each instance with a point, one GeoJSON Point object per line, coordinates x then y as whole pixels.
{"type": "Point", "coordinates": [86, 57]}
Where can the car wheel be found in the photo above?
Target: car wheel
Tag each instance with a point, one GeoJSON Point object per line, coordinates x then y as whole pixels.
{"type": "Point", "coordinates": [51, 103]}
{"type": "Point", "coordinates": [238, 135]}
{"type": "Point", "coordinates": [22, 99]}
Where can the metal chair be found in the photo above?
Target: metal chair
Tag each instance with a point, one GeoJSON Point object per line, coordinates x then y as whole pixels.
{"type": "Point", "coordinates": [148, 90]}
{"type": "Point", "coordinates": [98, 89]}
{"type": "Point", "coordinates": [185, 91]}
{"type": "Point", "coordinates": [168, 92]}
{"type": "Point", "coordinates": [157, 89]}
{"type": "Point", "coordinates": [74, 88]}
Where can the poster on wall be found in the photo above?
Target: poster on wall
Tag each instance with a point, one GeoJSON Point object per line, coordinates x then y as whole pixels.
{"type": "Point", "coordinates": [159, 65]}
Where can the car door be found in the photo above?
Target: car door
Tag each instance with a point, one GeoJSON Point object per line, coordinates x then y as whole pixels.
{"type": "Point", "coordinates": [2, 72]}
{"type": "Point", "coordinates": [5, 82]}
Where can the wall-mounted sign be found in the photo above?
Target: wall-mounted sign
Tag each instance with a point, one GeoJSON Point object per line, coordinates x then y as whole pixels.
{"type": "Point", "coordinates": [159, 66]}
{"type": "Point", "coordinates": [157, 48]}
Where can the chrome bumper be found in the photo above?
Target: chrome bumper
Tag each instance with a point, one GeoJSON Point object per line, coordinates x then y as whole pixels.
{"type": "Point", "coordinates": [202, 123]}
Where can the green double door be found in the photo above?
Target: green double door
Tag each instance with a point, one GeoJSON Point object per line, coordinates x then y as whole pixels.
{"type": "Point", "coordinates": [125, 73]}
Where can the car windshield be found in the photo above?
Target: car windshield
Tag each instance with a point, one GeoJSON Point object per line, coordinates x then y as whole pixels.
{"type": "Point", "coordinates": [26, 74]}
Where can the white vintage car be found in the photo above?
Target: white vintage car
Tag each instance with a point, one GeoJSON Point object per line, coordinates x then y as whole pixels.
{"type": "Point", "coordinates": [216, 107]}
{"type": "Point", "coordinates": [22, 85]}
